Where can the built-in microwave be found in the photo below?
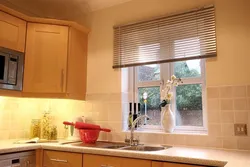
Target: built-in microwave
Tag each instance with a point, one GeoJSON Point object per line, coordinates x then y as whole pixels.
{"type": "Point", "coordinates": [11, 69]}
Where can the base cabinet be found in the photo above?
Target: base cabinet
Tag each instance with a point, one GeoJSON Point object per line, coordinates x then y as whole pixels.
{"type": "Point", "coordinates": [107, 161]}
{"type": "Point", "coordinates": [167, 164]}
{"type": "Point", "coordinates": [61, 159]}
{"type": "Point", "coordinates": [47, 158]}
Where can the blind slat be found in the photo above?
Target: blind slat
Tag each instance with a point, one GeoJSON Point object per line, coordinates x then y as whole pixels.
{"type": "Point", "coordinates": [179, 37]}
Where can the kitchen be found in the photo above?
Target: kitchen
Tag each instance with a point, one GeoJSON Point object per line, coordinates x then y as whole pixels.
{"type": "Point", "coordinates": [100, 93]}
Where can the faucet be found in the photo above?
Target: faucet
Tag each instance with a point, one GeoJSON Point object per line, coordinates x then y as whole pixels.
{"type": "Point", "coordinates": [132, 141]}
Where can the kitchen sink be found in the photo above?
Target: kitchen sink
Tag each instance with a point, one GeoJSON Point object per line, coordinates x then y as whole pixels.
{"type": "Point", "coordinates": [121, 146]}
{"type": "Point", "coordinates": [116, 147]}
{"type": "Point", "coordinates": [102, 144]}
{"type": "Point", "coordinates": [145, 148]}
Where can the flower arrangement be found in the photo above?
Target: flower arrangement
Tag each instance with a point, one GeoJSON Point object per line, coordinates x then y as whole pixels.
{"type": "Point", "coordinates": [166, 94]}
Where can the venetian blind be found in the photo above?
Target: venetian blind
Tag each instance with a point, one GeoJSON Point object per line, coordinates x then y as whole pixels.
{"type": "Point", "coordinates": [179, 37]}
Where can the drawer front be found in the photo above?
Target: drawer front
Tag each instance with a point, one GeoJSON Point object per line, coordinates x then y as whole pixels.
{"type": "Point", "coordinates": [108, 161]}
{"type": "Point", "coordinates": [100, 161]}
{"type": "Point", "coordinates": [61, 159]}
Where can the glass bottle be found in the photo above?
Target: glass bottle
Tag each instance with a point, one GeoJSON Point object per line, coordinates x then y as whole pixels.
{"type": "Point", "coordinates": [35, 128]}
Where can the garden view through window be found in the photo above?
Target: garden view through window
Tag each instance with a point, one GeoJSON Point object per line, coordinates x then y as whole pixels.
{"type": "Point", "coordinates": [187, 103]}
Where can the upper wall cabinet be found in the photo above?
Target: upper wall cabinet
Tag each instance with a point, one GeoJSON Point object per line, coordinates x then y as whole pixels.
{"type": "Point", "coordinates": [46, 58]}
{"type": "Point", "coordinates": [55, 61]}
{"type": "Point", "coordinates": [12, 32]}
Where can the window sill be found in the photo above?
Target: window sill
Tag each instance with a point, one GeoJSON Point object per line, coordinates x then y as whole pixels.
{"type": "Point", "coordinates": [176, 132]}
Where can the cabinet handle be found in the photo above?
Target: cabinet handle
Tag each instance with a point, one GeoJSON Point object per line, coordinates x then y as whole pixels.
{"type": "Point", "coordinates": [62, 79]}
{"type": "Point", "coordinates": [27, 163]}
{"type": "Point", "coordinates": [59, 160]}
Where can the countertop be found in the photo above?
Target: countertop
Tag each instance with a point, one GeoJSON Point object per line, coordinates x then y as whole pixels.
{"type": "Point", "coordinates": [191, 155]}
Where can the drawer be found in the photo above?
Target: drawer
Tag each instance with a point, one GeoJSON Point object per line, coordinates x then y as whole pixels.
{"type": "Point", "coordinates": [61, 159]}
{"type": "Point", "coordinates": [108, 161]}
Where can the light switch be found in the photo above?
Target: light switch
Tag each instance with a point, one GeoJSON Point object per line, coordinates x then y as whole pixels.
{"type": "Point", "coordinates": [240, 129]}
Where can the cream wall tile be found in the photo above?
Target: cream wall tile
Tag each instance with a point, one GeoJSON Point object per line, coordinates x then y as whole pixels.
{"type": "Point", "coordinates": [214, 130]}
{"type": "Point", "coordinates": [99, 107]}
{"type": "Point", "coordinates": [230, 143]}
{"type": "Point", "coordinates": [226, 92]}
{"type": "Point", "coordinates": [244, 143]}
{"type": "Point", "coordinates": [213, 105]}
{"type": "Point", "coordinates": [214, 142]}
{"type": "Point", "coordinates": [240, 104]}
{"type": "Point", "coordinates": [114, 126]}
{"type": "Point", "coordinates": [226, 104]}
{"type": "Point", "coordinates": [227, 117]}
{"type": "Point", "coordinates": [119, 137]}
{"type": "Point", "coordinates": [241, 117]}
{"type": "Point", "coordinates": [212, 92]}
{"type": "Point", "coordinates": [196, 140]}
{"type": "Point", "coordinates": [174, 139]}
{"type": "Point", "coordinates": [227, 130]}
{"type": "Point", "coordinates": [4, 134]}
{"type": "Point", "coordinates": [117, 98]}
{"type": "Point", "coordinates": [214, 117]}
{"type": "Point", "coordinates": [150, 138]}
{"type": "Point", "coordinates": [239, 91]}
{"type": "Point", "coordinates": [114, 112]}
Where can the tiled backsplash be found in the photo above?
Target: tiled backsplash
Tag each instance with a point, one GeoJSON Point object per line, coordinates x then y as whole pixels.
{"type": "Point", "coordinates": [226, 105]}
{"type": "Point", "coordinates": [16, 114]}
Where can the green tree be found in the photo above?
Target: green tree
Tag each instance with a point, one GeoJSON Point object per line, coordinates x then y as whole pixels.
{"type": "Point", "coordinates": [188, 97]}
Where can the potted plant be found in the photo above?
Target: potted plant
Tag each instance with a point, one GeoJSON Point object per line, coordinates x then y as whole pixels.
{"type": "Point", "coordinates": [167, 118]}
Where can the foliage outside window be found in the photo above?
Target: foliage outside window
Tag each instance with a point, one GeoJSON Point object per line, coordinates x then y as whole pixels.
{"type": "Point", "coordinates": [188, 99]}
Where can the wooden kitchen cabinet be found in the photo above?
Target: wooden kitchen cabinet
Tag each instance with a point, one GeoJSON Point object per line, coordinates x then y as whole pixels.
{"type": "Point", "coordinates": [61, 159]}
{"type": "Point", "coordinates": [167, 164]}
{"type": "Point", "coordinates": [108, 161]}
{"type": "Point", "coordinates": [12, 32]}
{"type": "Point", "coordinates": [45, 68]}
{"type": "Point", "coordinates": [55, 62]}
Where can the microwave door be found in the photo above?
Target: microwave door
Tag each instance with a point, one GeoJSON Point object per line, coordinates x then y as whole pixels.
{"type": "Point", "coordinates": [4, 66]}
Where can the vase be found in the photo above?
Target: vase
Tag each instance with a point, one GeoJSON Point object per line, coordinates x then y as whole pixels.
{"type": "Point", "coordinates": [167, 119]}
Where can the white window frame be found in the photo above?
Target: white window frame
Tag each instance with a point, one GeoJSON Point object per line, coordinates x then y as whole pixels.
{"type": "Point", "coordinates": [169, 70]}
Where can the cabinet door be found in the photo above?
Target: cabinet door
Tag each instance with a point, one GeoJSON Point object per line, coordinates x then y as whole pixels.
{"type": "Point", "coordinates": [12, 32]}
{"type": "Point", "coordinates": [166, 164]}
{"type": "Point", "coordinates": [179, 165]}
{"type": "Point", "coordinates": [107, 161]}
{"type": "Point", "coordinates": [127, 162]}
{"type": "Point", "coordinates": [100, 161]}
{"type": "Point", "coordinates": [46, 59]}
{"type": "Point", "coordinates": [28, 161]}
{"type": "Point", "coordinates": [61, 159]}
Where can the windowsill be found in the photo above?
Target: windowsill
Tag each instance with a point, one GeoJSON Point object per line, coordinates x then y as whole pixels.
{"type": "Point", "coordinates": [176, 132]}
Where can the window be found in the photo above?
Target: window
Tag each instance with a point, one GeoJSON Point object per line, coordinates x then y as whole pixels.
{"type": "Point", "coordinates": [188, 103]}
{"type": "Point", "coordinates": [156, 49]}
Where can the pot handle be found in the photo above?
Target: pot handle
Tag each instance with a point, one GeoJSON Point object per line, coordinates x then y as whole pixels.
{"type": "Point", "coordinates": [68, 123]}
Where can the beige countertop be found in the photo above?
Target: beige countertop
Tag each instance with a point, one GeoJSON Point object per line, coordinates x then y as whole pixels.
{"type": "Point", "coordinates": [199, 156]}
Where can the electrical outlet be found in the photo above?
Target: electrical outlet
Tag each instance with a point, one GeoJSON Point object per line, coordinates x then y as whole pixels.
{"type": "Point", "coordinates": [240, 129]}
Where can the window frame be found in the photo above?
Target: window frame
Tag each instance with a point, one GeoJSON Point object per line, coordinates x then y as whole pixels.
{"type": "Point", "coordinates": [169, 70]}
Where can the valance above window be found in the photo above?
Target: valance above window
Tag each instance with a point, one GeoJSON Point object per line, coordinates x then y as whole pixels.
{"type": "Point", "coordinates": [179, 37]}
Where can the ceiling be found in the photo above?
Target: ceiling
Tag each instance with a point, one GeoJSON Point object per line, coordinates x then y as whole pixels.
{"type": "Point", "coordinates": [74, 10]}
